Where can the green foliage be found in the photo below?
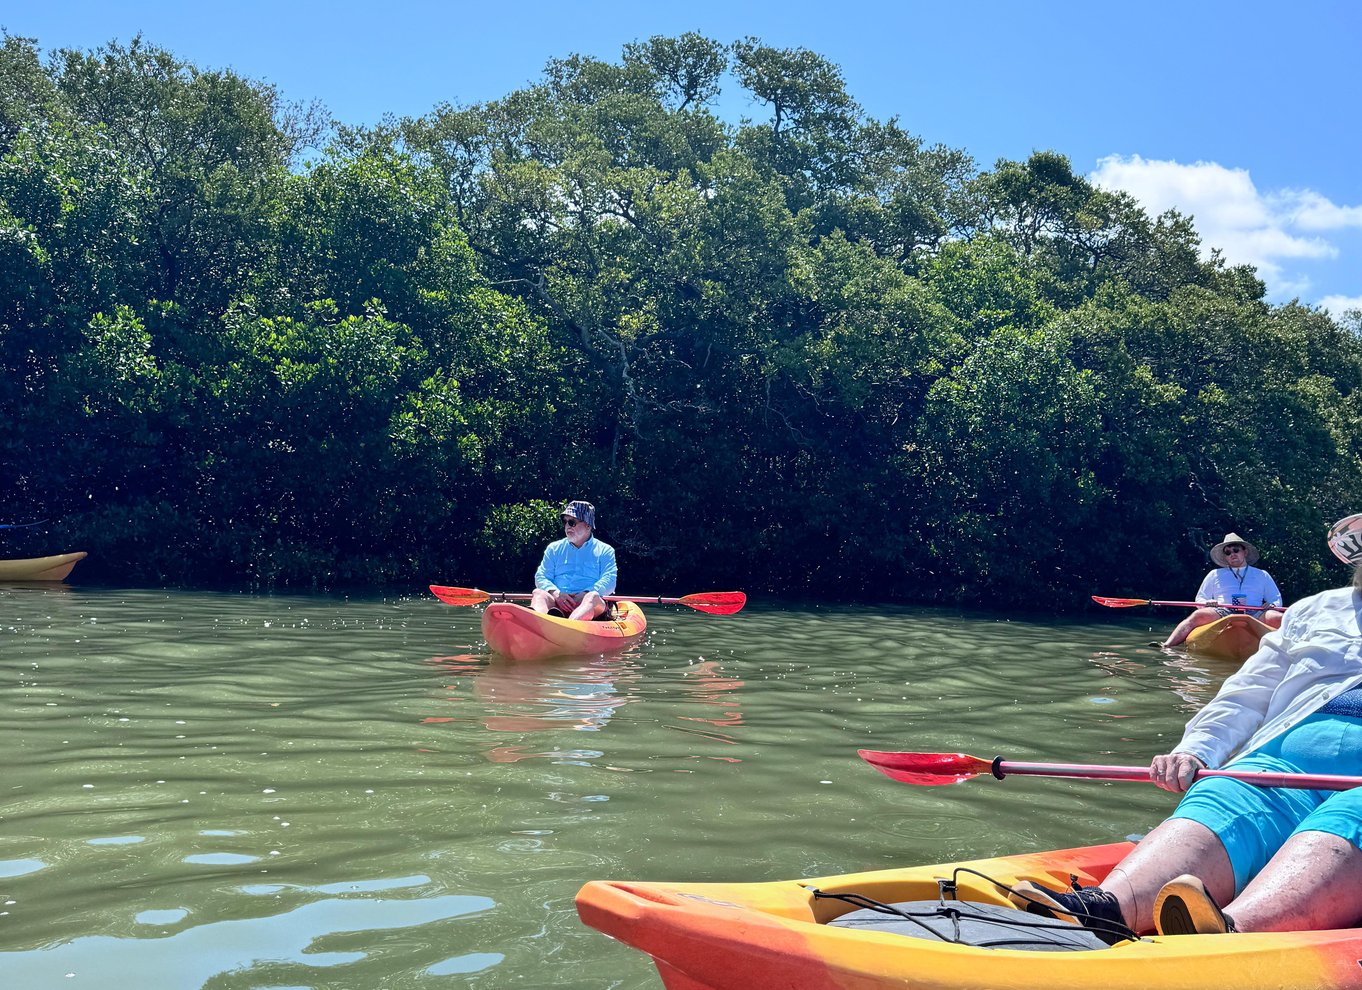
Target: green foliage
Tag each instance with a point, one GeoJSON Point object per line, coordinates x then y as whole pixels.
{"type": "Point", "coordinates": [24, 86]}
{"type": "Point", "coordinates": [685, 70]}
{"type": "Point", "coordinates": [1014, 427]}
{"type": "Point", "coordinates": [117, 364]}
{"type": "Point", "coordinates": [804, 353]}
{"type": "Point", "coordinates": [514, 535]}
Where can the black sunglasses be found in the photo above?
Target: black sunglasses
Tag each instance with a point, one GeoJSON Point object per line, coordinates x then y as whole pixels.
{"type": "Point", "coordinates": [570, 522]}
{"type": "Point", "coordinates": [1234, 549]}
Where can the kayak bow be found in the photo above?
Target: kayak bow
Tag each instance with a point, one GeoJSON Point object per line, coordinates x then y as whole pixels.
{"type": "Point", "coordinates": [1231, 637]}
{"type": "Point", "coordinates": [54, 568]}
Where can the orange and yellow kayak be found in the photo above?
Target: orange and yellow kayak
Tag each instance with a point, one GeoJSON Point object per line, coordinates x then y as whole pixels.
{"type": "Point", "coordinates": [523, 634]}
{"type": "Point", "coordinates": [54, 568]}
{"type": "Point", "coordinates": [1231, 637]}
{"type": "Point", "coordinates": [761, 936]}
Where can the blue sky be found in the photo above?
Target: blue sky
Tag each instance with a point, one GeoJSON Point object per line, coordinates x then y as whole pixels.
{"type": "Point", "coordinates": [1246, 114]}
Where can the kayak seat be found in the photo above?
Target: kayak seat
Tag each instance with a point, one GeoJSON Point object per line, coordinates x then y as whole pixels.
{"type": "Point", "coordinates": [607, 616]}
{"type": "Point", "coordinates": [985, 926]}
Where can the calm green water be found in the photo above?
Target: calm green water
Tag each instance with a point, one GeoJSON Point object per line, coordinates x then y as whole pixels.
{"type": "Point", "coordinates": [229, 791]}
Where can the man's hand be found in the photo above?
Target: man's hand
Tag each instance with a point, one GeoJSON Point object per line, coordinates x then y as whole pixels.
{"type": "Point", "coordinates": [1175, 771]}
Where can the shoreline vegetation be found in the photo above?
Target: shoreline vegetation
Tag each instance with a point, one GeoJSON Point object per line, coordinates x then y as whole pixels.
{"type": "Point", "coordinates": [802, 354]}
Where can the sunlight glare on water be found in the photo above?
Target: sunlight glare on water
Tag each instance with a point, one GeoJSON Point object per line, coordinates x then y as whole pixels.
{"type": "Point", "coordinates": [228, 791]}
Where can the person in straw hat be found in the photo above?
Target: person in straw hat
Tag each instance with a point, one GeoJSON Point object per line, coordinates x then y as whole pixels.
{"type": "Point", "coordinates": [1236, 858]}
{"type": "Point", "coordinates": [1234, 582]}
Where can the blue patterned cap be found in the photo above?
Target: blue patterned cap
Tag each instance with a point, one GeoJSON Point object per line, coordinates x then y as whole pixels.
{"type": "Point", "coordinates": [584, 511]}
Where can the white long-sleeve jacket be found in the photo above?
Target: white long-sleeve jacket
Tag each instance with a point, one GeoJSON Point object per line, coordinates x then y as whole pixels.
{"type": "Point", "coordinates": [1315, 656]}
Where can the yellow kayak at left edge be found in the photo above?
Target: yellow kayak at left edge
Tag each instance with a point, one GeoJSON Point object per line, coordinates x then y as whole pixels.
{"type": "Point", "coordinates": [54, 568]}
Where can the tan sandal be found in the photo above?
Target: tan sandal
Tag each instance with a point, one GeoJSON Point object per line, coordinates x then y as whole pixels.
{"type": "Point", "coordinates": [1183, 907]}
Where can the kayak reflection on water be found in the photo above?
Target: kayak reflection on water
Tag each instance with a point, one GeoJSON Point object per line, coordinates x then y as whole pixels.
{"type": "Point", "coordinates": [533, 696]}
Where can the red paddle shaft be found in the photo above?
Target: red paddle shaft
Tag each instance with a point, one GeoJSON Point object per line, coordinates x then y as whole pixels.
{"type": "Point", "coordinates": [932, 769]}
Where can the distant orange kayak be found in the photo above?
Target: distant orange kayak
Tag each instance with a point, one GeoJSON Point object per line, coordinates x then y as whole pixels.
{"type": "Point", "coordinates": [53, 568]}
{"type": "Point", "coordinates": [1231, 637]}
{"type": "Point", "coordinates": [523, 634]}
{"type": "Point", "coordinates": [820, 934]}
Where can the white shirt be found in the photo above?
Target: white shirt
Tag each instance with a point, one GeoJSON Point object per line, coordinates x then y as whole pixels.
{"type": "Point", "coordinates": [1248, 586]}
{"type": "Point", "coordinates": [1314, 656]}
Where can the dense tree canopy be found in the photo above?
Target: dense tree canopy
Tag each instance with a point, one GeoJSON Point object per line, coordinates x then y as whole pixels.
{"type": "Point", "coordinates": [803, 352]}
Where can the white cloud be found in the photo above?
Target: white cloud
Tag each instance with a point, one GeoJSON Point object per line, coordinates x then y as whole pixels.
{"type": "Point", "coordinates": [1311, 211]}
{"type": "Point", "coordinates": [1266, 230]}
{"type": "Point", "coordinates": [1338, 305]}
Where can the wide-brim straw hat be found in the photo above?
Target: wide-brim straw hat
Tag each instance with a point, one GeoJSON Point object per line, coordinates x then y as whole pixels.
{"type": "Point", "coordinates": [1345, 538]}
{"type": "Point", "coordinates": [1218, 551]}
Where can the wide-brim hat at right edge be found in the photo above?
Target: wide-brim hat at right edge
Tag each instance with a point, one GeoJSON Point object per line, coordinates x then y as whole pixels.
{"type": "Point", "coordinates": [1218, 551]}
{"type": "Point", "coordinates": [1345, 538]}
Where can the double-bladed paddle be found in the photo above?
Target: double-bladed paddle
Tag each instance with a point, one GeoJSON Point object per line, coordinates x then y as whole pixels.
{"type": "Point", "coordinates": [1131, 602]}
{"type": "Point", "coordinates": [931, 769]}
{"type": "Point", "coordinates": [21, 525]}
{"type": "Point", "coordinates": [713, 602]}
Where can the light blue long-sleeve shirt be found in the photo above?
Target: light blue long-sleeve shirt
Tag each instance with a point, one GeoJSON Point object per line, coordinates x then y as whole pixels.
{"type": "Point", "coordinates": [573, 570]}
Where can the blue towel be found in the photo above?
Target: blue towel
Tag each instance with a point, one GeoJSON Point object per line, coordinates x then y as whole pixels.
{"type": "Point", "coordinates": [1348, 704]}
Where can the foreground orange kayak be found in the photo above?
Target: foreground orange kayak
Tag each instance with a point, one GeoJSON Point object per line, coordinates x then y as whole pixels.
{"type": "Point", "coordinates": [53, 568]}
{"type": "Point", "coordinates": [761, 936]}
{"type": "Point", "coordinates": [523, 634]}
{"type": "Point", "coordinates": [1231, 637]}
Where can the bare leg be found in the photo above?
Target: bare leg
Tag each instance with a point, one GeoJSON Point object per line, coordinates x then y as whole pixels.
{"type": "Point", "coordinates": [541, 601]}
{"type": "Point", "coordinates": [1177, 846]}
{"type": "Point", "coordinates": [1272, 619]}
{"type": "Point", "coordinates": [1200, 617]}
{"type": "Point", "coordinates": [1312, 884]}
{"type": "Point", "coordinates": [592, 606]}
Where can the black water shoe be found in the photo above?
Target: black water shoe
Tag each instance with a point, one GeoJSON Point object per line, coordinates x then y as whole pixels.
{"type": "Point", "coordinates": [1095, 909]}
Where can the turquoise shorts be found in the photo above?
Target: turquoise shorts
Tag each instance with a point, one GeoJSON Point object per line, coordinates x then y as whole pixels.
{"type": "Point", "coordinates": [1254, 822]}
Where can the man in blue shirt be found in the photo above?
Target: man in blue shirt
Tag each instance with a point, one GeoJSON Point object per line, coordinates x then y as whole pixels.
{"type": "Point", "coordinates": [578, 571]}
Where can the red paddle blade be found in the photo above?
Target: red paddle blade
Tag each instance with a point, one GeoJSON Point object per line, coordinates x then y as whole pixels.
{"type": "Point", "coordinates": [716, 602]}
{"type": "Point", "coordinates": [926, 769]}
{"type": "Point", "coordinates": [459, 596]}
{"type": "Point", "coordinates": [1120, 602]}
